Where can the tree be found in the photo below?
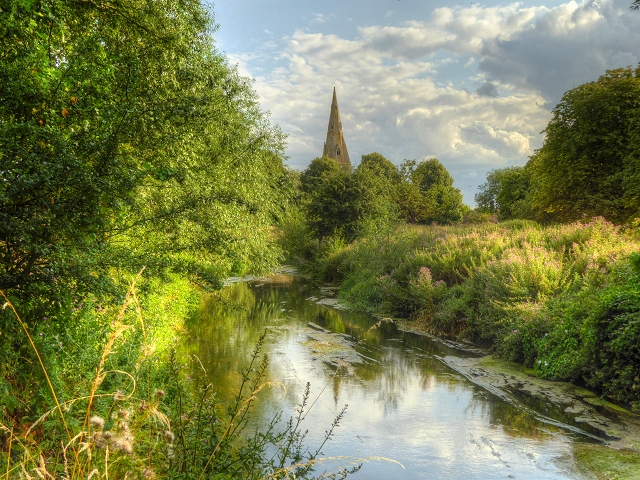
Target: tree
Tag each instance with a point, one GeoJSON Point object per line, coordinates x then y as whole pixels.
{"type": "Point", "coordinates": [339, 202]}
{"type": "Point", "coordinates": [329, 198]}
{"type": "Point", "coordinates": [504, 192]}
{"type": "Point", "coordinates": [429, 173]}
{"type": "Point", "coordinates": [380, 167]}
{"type": "Point", "coordinates": [444, 204]}
{"type": "Point", "coordinates": [427, 194]}
{"type": "Point", "coordinates": [580, 170]}
{"type": "Point", "coordinates": [126, 139]}
{"type": "Point", "coordinates": [311, 178]}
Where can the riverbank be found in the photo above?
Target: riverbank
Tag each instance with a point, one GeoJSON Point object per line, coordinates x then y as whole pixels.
{"type": "Point", "coordinates": [614, 431]}
{"type": "Point", "coordinates": [107, 388]}
{"type": "Point", "coordinates": [560, 302]}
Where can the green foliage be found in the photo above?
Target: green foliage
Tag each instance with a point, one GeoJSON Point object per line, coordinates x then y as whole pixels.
{"type": "Point", "coordinates": [311, 178]}
{"type": "Point", "coordinates": [504, 192]}
{"type": "Point", "coordinates": [430, 173]}
{"type": "Point", "coordinates": [427, 195]}
{"type": "Point", "coordinates": [127, 140]}
{"type": "Point", "coordinates": [338, 203]}
{"type": "Point", "coordinates": [564, 300]}
{"type": "Point", "coordinates": [381, 168]}
{"type": "Point", "coordinates": [589, 153]}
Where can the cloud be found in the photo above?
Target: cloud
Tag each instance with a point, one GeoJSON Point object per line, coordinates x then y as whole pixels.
{"type": "Point", "coordinates": [319, 18]}
{"type": "Point", "coordinates": [487, 89]}
{"type": "Point", "coordinates": [565, 47]}
{"type": "Point", "coordinates": [396, 98]}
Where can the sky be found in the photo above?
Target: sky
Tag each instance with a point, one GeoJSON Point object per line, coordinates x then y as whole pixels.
{"type": "Point", "coordinates": [471, 84]}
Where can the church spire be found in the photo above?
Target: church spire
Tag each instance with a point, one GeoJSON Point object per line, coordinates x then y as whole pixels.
{"type": "Point", "coordinates": [334, 146]}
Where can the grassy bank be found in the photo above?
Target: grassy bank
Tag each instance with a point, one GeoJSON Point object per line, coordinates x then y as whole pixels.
{"type": "Point", "coordinates": [101, 389]}
{"type": "Point", "coordinates": [563, 300]}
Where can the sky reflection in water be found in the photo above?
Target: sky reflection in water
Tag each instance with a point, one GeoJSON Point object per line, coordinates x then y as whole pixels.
{"type": "Point", "coordinates": [404, 404]}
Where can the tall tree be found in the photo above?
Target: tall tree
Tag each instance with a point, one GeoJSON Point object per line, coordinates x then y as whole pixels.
{"type": "Point", "coordinates": [124, 136]}
{"type": "Point", "coordinates": [580, 169]}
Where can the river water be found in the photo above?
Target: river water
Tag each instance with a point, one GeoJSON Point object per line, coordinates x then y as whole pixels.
{"type": "Point", "coordinates": [404, 403]}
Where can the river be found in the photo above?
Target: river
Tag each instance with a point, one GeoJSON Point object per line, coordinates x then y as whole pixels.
{"type": "Point", "coordinates": [404, 403]}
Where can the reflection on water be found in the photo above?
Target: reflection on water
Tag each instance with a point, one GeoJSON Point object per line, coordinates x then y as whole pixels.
{"type": "Point", "coordinates": [404, 403]}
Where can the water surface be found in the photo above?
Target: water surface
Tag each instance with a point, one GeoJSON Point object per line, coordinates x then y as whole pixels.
{"type": "Point", "coordinates": [404, 403]}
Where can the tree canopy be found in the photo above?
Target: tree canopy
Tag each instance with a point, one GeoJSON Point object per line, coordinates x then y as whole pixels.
{"type": "Point", "coordinates": [126, 138]}
{"type": "Point", "coordinates": [579, 171]}
{"type": "Point", "coordinates": [504, 192]}
{"type": "Point", "coordinates": [427, 193]}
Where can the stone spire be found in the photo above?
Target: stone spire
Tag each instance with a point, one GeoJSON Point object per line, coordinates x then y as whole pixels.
{"type": "Point", "coordinates": [334, 146]}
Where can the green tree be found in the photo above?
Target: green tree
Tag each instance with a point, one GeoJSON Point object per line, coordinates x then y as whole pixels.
{"type": "Point", "coordinates": [444, 204]}
{"type": "Point", "coordinates": [311, 177]}
{"type": "Point", "coordinates": [126, 139]}
{"type": "Point", "coordinates": [580, 170]}
{"type": "Point", "coordinates": [329, 202]}
{"type": "Point", "coordinates": [504, 192]}
{"type": "Point", "coordinates": [429, 173]}
{"type": "Point", "coordinates": [381, 167]}
{"type": "Point", "coordinates": [343, 203]}
{"type": "Point", "coordinates": [427, 195]}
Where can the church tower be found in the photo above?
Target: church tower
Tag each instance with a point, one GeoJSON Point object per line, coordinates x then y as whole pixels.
{"type": "Point", "coordinates": [334, 146]}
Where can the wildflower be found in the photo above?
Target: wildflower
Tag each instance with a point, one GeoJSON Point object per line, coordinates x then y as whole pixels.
{"type": "Point", "coordinates": [169, 436]}
{"type": "Point", "coordinates": [118, 396]}
{"type": "Point", "coordinates": [97, 421]}
{"type": "Point", "coordinates": [160, 393]}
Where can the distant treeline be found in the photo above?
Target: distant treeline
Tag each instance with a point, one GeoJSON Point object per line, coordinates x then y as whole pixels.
{"type": "Point", "coordinates": [588, 166]}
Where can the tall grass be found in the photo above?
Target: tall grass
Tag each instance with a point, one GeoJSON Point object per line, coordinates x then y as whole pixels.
{"type": "Point", "coordinates": [118, 403]}
{"type": "Point", "coordinates": [564, 299]}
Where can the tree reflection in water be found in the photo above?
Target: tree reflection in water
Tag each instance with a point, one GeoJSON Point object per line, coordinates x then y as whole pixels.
{"type": "Point", "coordinates": [404, 403]}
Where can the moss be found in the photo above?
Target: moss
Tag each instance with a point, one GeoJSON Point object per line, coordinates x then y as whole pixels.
{"type": "Point", "coordinates": [504, 366]}
{"type": "Point", "coordinates": [605, 463]}
{"type": "Point", "coordinates": [599, 402]}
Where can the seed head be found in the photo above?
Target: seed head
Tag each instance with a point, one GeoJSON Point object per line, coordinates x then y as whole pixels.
{"type": "Point", "coordinates": [123, 444]}
{"type": "Point", "coordinates": [97, 421]}
{"type": "Point", "coordinates": [100, 440]}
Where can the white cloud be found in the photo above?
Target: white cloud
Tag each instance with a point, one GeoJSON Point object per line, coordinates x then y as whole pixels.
{"type": "Point", "coordinates": [565, 46]}
{"type": "Point", "coordinates": [319, 17]}
{"type": "Point", "coordinates": [394, 100]}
